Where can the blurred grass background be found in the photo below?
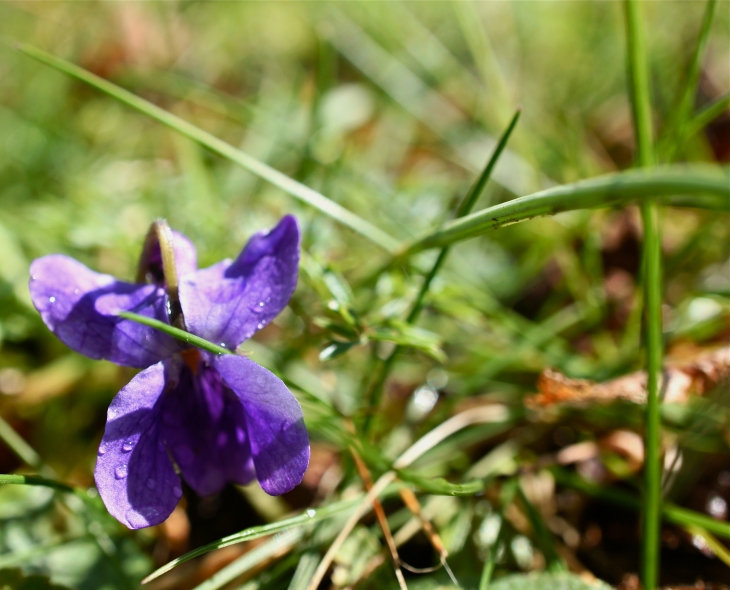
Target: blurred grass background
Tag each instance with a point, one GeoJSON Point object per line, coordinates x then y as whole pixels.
{"type": "Point", "coordinates": [390, 110]}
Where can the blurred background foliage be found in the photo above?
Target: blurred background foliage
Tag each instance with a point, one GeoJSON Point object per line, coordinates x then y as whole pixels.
{"type": "Point", "coordinates": [391, 110]}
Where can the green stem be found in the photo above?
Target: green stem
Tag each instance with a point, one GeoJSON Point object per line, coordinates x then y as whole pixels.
{"type": "Point", "coordinates": [218, 146]}
{"type": "Point", "coordinates": [175, 332]}
{"type": "Point", "coordinates": [34, 480]}
{"type": "Point", "coordinates": [638, 71]}
{"type": "Point", "coordinates": [376, 387]}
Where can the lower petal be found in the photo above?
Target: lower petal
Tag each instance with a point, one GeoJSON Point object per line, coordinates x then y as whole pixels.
{"type": "Point", "coordinates": [134, 474]}
{"type": "Point", "coordinates": [205, 430]}
{"type": "Point", "coordinates": [274, 421]}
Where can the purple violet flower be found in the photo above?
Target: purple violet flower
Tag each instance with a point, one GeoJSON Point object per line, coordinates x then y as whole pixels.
{"type": "Point", "coordinates": [220, 418]}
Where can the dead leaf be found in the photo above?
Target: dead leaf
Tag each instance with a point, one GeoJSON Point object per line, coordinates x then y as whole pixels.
{"type": "Point", "coordinates": [697, 377]}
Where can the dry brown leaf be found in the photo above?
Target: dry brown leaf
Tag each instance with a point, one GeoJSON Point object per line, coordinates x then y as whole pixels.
{"type": "Point", "coordinates": [703, 374]}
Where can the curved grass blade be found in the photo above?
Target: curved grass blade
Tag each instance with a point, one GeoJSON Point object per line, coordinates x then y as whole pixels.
{"type": "Point", "coordinates": [218, 146]}
{"type": "Point", "coordinates": [604, 191]}
{"type": "Point", "coordinates": [257, 532]}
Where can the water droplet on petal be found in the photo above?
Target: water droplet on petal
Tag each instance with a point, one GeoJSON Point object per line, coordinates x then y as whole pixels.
{"type": "Point", "coordinates": [52, 299]}
{"type": "Point", "coordinates": [223, 344]}
{"type": "Point", "coordinates": [111, 413]}
{"type": "Point", "coordinates": [261, 325]}
{"type": "Point", "coordinates": [128, 446]}
{"type": "Point", "coordinates": [151, 483]}
{"type": "Point", "coordinates": [311, 513]}
{"type": "Point", "coordinates": [177, 490]}
{"type": "Point", "coordinates": [261, 304]}
{"type": "Point", "coordinates": [121, 471]}
{"type": "Point", "coordinates": [102, 449]}
{"type": "Point", "coordinates": [76, 291]}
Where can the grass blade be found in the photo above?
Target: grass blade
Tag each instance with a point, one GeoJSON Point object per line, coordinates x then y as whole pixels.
{"type": "Point", "coordinates": [34, 480]}
{"type": "Point", "coordinates": [707, 114]}
{"type": "Point", "coordinates": [257, 532]}
{"type": "Point", "coordinates": [671, 512]}
{"type": "Point", "coordinates": [175, 332]}
{"type": "Point", "coordinates": [604, 191]}
{"type": "Point", "coordinates": [677, 127]}
{"type": "Point", "coordinates": [218, 146]}
{"type": "Point", "coordinates": [21, 448]}
{"type": "Point", "coordinates": [277, 546]}
{"type": "Point", "coordinates": [638, 71]}
{"type": "Point", "coordinates": [376, 387]}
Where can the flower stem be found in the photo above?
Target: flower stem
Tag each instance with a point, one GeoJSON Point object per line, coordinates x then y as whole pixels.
{"type": "Point", "coordinates": [638, 71]}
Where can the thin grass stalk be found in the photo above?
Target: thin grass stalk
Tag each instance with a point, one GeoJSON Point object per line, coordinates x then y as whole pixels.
{"type": "Point", "coordinates": [638, 71]}
{"type": "Point", "coordinates": [678, 127]}
{"type": "Point", "coordinates": [375, 390]}
{"type": "Point", "coordinates": [218, 146]}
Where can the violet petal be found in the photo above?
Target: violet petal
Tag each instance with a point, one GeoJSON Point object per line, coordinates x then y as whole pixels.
{"type": "Point", "coordinates": [79, 306]}
{"type": "Point", "coordinates": [228, 302]}
{"type": "Point", "coordinates": [205, 429]}
{"type": "Point", "coordinates": [274, 421]}
{"type": "Point", "coordinates": [134, 474]}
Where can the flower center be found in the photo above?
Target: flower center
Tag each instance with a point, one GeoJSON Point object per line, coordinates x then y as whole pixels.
{"type": "Point", "coordinates": [192, 359]}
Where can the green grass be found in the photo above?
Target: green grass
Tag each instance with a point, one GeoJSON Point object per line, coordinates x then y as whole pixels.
{"type": "Point", "coordinates": [449, 256]}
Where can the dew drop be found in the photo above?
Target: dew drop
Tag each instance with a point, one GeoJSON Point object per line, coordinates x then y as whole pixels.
{"type": "Point", "coordinates": [311, 513]}
{"type": "Point", "coordinates": [76, 291]}
{"type": "Point", "coordinates": [128, 446]}
{"type": "Point", "coordinates": [223, 345]}
{"type": "Point", "coordinates": [52, 299]}
{"type": "Point", "coordinates": [261, 325]}
{"type": "Point", "coordinates": [151, 484]}
{"type": "Point", "coordinates": [102, 449]}
{"type": "Point", "coordinates": [177, 490]}
{"type": "Point", "coordinates": [111, 413]}
{"type": "Point", "coordinates": [121, 471]}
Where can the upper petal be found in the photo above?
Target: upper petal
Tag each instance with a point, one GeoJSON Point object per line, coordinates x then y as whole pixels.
{"type": "Point", "coordinates": [134, 474]}
{"type": "Point", "coordinates": [80, 306]}
{"type": "Point", "coordinates": [228, 302]}
{"type": "Point", "coordinates": [205, 430]}
{"type": "Point", "coordinates": [274, 421]}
